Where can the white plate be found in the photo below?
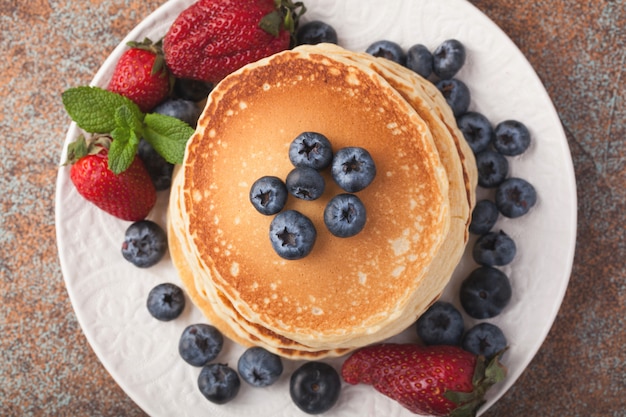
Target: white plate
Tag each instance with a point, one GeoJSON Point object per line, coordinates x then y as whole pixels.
{"type": "Point", "coordinates": [108, 294]}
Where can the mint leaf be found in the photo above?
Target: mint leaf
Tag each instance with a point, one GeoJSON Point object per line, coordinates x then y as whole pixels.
{"type": "Point", "coordinates": [93, 109]}
{"type": "Point", "coordinates": [167, 135]}
{"type": "Point", "coordinates": [126, 137]}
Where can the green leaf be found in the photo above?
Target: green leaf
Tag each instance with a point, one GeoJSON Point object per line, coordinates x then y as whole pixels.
{"type": "Point", "coordinates": [122, 153]}
{"type": "Point", "coordinates": [93, 109]}
{"type": "Point", "coordinates": [126, 137]}
{"type": "Point", "coordinates": [271, 22]}
{"type": "Point", "coordinates": [167, 135]}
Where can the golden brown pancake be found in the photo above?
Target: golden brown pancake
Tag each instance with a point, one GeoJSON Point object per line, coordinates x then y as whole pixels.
{"type": "Point", "coordinates": [347, 292]}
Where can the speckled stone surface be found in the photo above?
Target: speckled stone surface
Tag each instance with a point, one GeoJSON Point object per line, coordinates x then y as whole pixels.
{"type": "Point", "coordinates": [578, 48]}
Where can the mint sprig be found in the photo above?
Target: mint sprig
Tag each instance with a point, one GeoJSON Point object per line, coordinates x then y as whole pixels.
{"type": "Point", "coordinates": [99, 111]}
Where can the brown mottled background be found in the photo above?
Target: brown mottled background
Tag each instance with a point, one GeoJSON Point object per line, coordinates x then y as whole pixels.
{"type": "Point", "coordinates": [47, 368]}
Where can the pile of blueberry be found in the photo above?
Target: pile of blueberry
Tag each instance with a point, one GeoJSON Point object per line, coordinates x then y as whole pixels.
{"type": "Point", "coordinates": [292, 234]}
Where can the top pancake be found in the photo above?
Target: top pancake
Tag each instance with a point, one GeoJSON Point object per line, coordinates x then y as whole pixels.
{"type": "Point", "coordinates": [345, 287]}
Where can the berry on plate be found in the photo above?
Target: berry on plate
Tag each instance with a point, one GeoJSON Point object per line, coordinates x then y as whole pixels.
{"type": "Point", "coordinates": [484, 339]}
{"type": "Point", "coordinates": [314, 387]}
{"type": "Point", "coordinates": [448, 59]}
{"type": "Point", "coordinates": [515, 197]}
{"type": "Point", "coordinates": [166, 301]}
{"type": "Point", "coordinates": [129, 195]}
{"type": "Point", "coordinates": [485, 292]}
{"type": "Point", "coordinates": [258, 367]}
{"type": "Point", "coordinates": [456, 93]}
{"type": "Point", "coordinates": [511, 138]}
{"type": "Point", "coordinates": [200, 343]}
{"type": "Point", "coordinates": [484, 217]}
{"type": "Point", "coordinates": [493, 168]}
{"type": "Point", "coordinates": [185, 110]}
{"type": "Point", "coordinates": [476, 129]}
{"type": "Point", "coordinates": [219, 383]}
{"type": "Point", "coordinates": [494, 248]}
{"type": "Point", "coordinates": [141, 75]}
{"type": "Point", "coordinates": [158, 168]}
{"type": "Point", "coordinates": [145, 243]}
{"type": "Point", "coordinates": [420, 60]}
{"type": "Point", "coordinates": [388, 50]}
{"type": "Point", "coordinates": [433, 380]}
{"type": "Point", "coordinates": [212, 38]}
{"type": "Point", "coordinates": [441, 324]}
{"type": "Point", "coordinates": [314, 32]}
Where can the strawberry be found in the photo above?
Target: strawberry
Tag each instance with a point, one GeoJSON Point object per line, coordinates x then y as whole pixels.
{"type": "Point", "coordinates": [141, 75]}
{"type": "Point", "coordinates": [213, 38]}
{"type": "Point", "coordinates": [129, 195]}
{"type": "Point", "coordinates": [435, 380]}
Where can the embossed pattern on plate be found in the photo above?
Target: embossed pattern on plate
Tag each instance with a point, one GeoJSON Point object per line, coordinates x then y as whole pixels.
{"type": "Point", "coordinates": [108, 294]}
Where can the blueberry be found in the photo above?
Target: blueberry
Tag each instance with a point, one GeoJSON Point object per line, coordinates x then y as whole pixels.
{"type": "Point", "coordinates": [345, 215]}
{"type": "Point", "coordinates": [292, 235]}
{"type": "Point", "coordinates": [166, 301]}
{"type": "Point", "coordinates": [420, 60]}
{"type": "Point", "coordinates": [484, 217]}
{"type": "Point", "coordinates": [476, 129]}
{"type": "Point", "coordinates": [493, 168]}
{"type": "Point", "coordinates": [494, 249]}
{"type": "Point", "coordinates": [457, 95]}
{"type": "Point", "coordinates": [511, 138]}
{"type": "Point", "coordinates": [311, 149]}
{"type": "Point", "coordinates": [200, 343]}
{"type": "Point", "coordinates": [218, 383]}
{"type": "Point", "coordinates": [305, 183]}
{"type": "Point", "coordinates": [448, 59]}
{"type": "Point", "coordinates": [387, 49]}
{"type": "Point", "coordinates": [314, 387]}
{"type": "Point", "coordinates": [158, 168]}
{"type": "Point", "coordinates": [192, 90]}
{"type": "Point", "coordinates": [485, 292]}
{"type": "Point", "coordinates": [353, 169]}
{"type": "Point", "coordinates": [484, 339]}
{"type": "Point", "coordinates": [184, 110]}
{"type": "Point", "coordinates": [268, 195]}
{"type": "Point", "coordinates": [314, 32]}
{"type": "Point", "coordinates": [515, 197]}
{"type": "Point", "coordinates": [259, 368]}
{"type": "Point", "coordinates": [441, 324]}
{"type": "Point", "coordinates": [145, 243]}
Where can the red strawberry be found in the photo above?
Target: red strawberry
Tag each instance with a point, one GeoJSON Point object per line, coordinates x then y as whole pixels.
{"type": "Point", "coordinates": [141, 75]}
{"type": "Point", "coordinates": [129, 195]}
{"type": "Point", "coordinates": [213, 38]}
{"type": "Point", "coordinates": [435, 380]}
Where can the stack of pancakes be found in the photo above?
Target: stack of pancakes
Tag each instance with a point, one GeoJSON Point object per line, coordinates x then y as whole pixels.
{"type": "Point", "coordinates": [348, 292]}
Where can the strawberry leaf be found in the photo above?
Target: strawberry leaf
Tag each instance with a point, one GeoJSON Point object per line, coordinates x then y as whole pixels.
{"type": "Point", "coordinates": [167, 135]}
{"type": "Point", "coordinates": [93, 109]}
{"type": "Point", "coordinates": [271, 23]}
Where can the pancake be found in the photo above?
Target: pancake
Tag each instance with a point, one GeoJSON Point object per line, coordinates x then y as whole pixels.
{"type": "Point", "coordinates": [348, 292]}
{"type": "Point", "coordinates": [345, 288]}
